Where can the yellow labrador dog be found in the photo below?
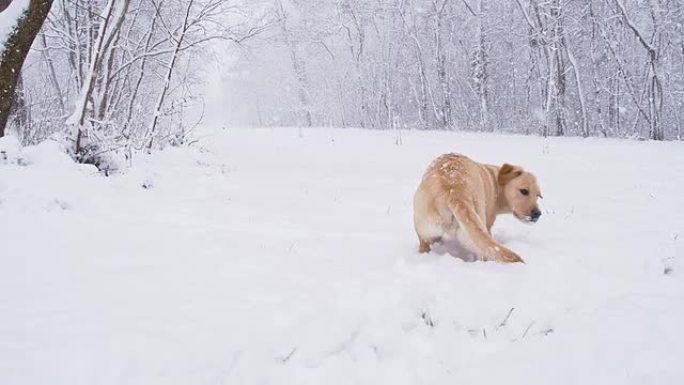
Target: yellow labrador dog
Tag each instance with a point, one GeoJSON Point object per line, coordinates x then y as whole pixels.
{"type": "Point", "coordinates": [459, 199]}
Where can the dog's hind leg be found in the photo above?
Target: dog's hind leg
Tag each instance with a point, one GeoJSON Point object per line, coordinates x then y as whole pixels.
{"type": "Point", "coordinates": [423, 247]}
{"type": "Point", "coordinates": [478, 239]}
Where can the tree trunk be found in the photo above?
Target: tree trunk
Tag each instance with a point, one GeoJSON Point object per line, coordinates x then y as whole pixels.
{"type": "Point", "coordinates": [14, 53]}
{"type": "Point", "coordinates": [444, 117]}
{"type": "Point", "coordinates": [77, 118]}
{"type": "Point", "coordinates": [480, 64]}
{"type": "Point", "coordinates": [169, 73]}
{"type": "Point", "coordinates": [4, 4]}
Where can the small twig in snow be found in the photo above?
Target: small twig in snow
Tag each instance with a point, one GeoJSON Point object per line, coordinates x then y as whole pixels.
{"type": "Point", "coordinates": [503, 323]}
{"type": "Point", "coordinates": [528, 329]}
{"type": "Point", "coordinates": [289, 355]}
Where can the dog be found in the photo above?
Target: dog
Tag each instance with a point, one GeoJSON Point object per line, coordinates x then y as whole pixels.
{"type": "Point", "coordinates": [459, 199]}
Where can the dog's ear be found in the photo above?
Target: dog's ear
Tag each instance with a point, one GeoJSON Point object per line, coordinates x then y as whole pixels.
{"type": "Point", "coordinates": [508, 172]}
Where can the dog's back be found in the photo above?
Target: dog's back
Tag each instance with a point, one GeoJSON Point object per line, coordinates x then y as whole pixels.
{"type": "Point", "coordinates": [450, 178]}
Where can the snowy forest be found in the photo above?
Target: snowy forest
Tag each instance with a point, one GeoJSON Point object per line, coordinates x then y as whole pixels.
{"type": "Point", "coordinates": [552, 67]}
{"type": "Point", "coordinates": [336, 192]}
{"type": "Point", "coordinates": [120, 75]}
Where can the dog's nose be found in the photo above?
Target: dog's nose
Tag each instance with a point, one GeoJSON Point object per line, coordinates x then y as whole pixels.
{"type": "Point", "coordinates": [535, 214]}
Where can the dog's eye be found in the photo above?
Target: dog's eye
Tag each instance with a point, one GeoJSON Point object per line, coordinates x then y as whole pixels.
{"type": "Point", "coordinates": [525, 191]}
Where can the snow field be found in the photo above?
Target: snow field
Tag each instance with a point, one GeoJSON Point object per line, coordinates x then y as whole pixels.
{"type": "Point", "coordinates": [287, 256]}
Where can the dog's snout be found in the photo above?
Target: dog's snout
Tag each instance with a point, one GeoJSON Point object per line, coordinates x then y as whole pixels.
{"type": "Point", "coordinates": [535, 214]}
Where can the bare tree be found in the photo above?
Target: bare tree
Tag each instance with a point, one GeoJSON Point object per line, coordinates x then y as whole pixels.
{"type": "Point", "coordinates": [121, 74]}
{"type": "Point", "coordinates": [14, 52]}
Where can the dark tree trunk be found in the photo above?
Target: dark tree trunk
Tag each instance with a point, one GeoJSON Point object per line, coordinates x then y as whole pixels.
{"type": "Point", "coordinates": [14, 53]}
{"type": "Point", "coordinates": [4, 4]}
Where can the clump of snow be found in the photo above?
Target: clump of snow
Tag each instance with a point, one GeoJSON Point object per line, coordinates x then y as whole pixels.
{"type": "Point", "coordinates": [10, 148]}
{"type": "Point", "coordinates": [9, 18]}
{"type": "Point", "coordinates": [272, 256]}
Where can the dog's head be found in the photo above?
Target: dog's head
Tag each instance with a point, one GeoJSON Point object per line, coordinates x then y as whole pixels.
{"type": "Point", "coordinates": [520, 192]}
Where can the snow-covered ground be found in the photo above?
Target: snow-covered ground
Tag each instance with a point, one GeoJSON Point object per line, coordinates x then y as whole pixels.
{"type": "Point", "coordinates": [280, 256]}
